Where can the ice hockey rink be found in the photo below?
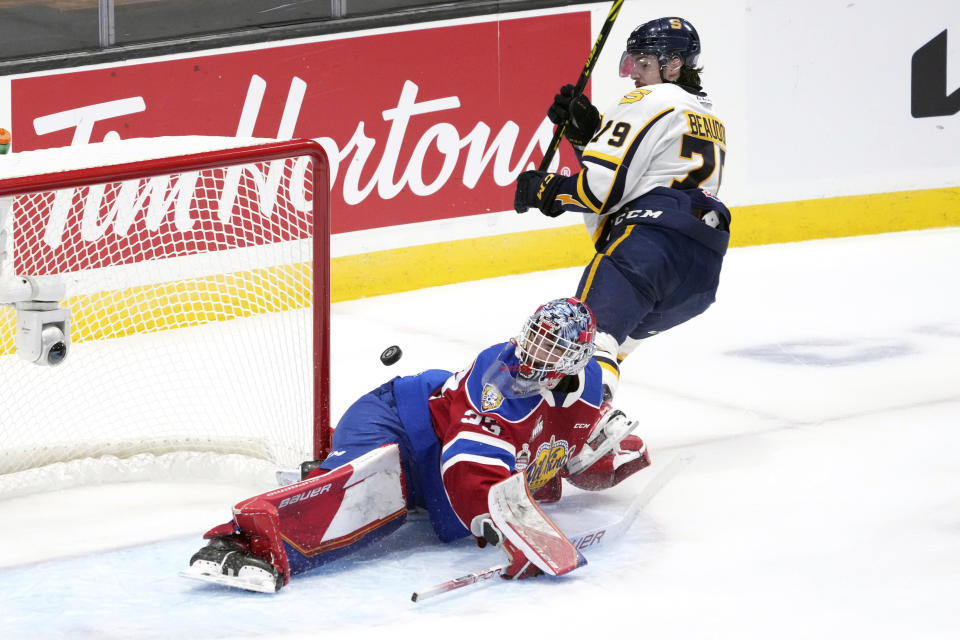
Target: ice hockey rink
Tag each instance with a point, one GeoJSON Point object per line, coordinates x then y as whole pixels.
{"type": "Point", "coordinates": [819, 398]}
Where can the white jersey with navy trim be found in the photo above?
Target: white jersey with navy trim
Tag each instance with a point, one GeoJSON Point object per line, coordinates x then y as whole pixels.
{"type": "Point", "coordinates": [656, 136]}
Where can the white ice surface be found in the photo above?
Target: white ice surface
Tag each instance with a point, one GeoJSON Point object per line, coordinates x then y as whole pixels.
{"type": "Point", "coordinates": [820, 397]}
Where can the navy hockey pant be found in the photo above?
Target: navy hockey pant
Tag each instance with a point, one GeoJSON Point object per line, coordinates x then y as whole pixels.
{"type": "Point", "coordinates": [647, 280]}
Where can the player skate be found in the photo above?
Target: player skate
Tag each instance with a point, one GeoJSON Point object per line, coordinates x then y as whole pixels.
{"type": "Point", "coordinates": [303, 525]}
{"type": "Point", "coordinates": [226, 562]}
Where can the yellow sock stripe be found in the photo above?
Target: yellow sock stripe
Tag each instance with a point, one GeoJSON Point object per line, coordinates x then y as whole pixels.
{"type": "Point", "coordinates": [609, 367]}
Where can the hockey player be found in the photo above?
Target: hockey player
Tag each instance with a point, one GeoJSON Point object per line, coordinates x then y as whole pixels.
{"type": "Point", "coordinates": [650, 169]}
{"type": "Point", "coordinates": [446, 443]}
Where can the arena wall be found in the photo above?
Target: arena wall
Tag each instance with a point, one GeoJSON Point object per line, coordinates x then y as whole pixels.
{"type": "Point", "coordinates": [842, 119]}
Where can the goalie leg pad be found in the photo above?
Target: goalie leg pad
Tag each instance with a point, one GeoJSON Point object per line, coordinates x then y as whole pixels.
{"type": "Point", "coordinates": [299, 526]}
{"type": "Point", "coordinates": [308, 523]}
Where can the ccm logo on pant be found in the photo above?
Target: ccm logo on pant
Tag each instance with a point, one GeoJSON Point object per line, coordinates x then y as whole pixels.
{"type": "Point", "coordinates": [628, 215]}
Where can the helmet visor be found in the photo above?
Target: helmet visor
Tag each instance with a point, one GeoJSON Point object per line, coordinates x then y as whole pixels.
{"type": "Point", "coordinates": [635, 63]}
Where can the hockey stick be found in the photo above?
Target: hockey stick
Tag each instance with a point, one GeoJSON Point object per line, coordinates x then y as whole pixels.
{"type": "Point", "coordinates": [582, 80]}
{"type": "Point", "coordinates": [456, 583]}
{"type": "Point", "coordinates": [582, 540]}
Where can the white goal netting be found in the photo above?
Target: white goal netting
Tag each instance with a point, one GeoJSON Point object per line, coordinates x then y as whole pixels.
{"type": "Point", "coordinates": [193, 318]}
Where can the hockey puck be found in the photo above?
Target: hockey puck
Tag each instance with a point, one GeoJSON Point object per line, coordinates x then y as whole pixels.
{"type": "Point", "coordinates": [390, 355]}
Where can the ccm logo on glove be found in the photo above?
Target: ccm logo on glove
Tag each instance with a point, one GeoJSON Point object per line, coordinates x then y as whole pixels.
{"type": "Point", "coordinates": [538, 189]}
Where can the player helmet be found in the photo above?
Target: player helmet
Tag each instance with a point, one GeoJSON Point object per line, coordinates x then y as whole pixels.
{"type": "Point", "coordinates": [556, 341]}
{"type": "Point", "coordinates": [664, 37]}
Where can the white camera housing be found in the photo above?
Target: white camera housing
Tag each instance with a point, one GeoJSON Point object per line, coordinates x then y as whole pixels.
{"type": "Point", "coordinates": [43, 326]}
{"type": "Point", "coordinates": [43, 334]}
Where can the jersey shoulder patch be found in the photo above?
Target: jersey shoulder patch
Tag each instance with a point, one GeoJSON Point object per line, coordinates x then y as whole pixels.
{"type": "Point", "coordinates": [636, 95]}
{"type": "Point", "coordinates": [490, 398]}
{"type": "Point", "coordinates": [487, 398]}
{"type": "Point", "coordinates": [646, 103]}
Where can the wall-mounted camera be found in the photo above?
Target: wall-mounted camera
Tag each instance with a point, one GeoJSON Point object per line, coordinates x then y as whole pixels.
{"type": "Point", "coordinates": [43, 334]}
{"type": "Point", "coordinates": [43, 326]}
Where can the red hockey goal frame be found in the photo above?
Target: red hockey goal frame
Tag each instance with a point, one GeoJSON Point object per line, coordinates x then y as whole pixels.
{"type": "Point", "coordinates": [222, 158]}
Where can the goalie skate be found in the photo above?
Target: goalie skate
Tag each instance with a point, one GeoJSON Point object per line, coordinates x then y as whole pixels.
{"type": "Point", "coordinates": [228, 565]}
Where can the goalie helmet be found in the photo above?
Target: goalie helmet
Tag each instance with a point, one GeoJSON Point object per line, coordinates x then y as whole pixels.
{"type": "Point", "coordinates": [665, 38]}
{"type": "Point", "coordinates": [556, 341]}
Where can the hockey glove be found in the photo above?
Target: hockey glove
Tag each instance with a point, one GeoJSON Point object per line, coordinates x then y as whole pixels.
{"type": "Point", "coordinates": [609, 430]}
{"type": "Point", "coordinates": [487, 533]}
{"type": "Point", "coordinates": [538, 189]}
{"type": "Point", "coordinates": [581, 117]}
{"type": "Point", "coordinates": [613, 468]}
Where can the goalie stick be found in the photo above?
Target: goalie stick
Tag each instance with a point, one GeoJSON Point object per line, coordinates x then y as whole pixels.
{"type": "Point", "coordinates": [581, 541]}
{"type": "Point", "coordinates": [582, 80]}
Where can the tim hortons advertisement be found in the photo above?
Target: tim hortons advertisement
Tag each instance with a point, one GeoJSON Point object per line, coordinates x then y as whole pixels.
{"type": "Point", "coordinates": [418, 125]}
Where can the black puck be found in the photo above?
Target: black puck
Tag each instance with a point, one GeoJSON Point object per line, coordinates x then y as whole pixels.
{"type": "Point", "coordinates": [390, 355]}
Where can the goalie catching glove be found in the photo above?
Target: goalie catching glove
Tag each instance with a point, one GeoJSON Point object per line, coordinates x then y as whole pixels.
{"type": "Point", "coordinates": [610, 454]}
{"type": "Point", "coordinates": [629, 456]}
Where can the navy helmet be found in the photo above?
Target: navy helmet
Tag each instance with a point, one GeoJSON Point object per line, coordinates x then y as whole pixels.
{"type": "Point", "coordinates": [666, 38]}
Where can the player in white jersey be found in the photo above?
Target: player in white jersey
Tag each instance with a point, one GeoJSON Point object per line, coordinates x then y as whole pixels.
{"type": "Point", "coordinates": [650, 168]}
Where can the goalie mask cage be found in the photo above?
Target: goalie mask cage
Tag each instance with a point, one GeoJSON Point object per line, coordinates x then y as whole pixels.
{"type": "Point", "coordinates": [198, 285]}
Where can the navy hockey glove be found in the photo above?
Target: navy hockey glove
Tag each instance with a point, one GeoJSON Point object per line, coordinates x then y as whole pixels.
{"type": "Point", "coordinates": [581, 116]}
{"type": "Point", "coordinates": [538, 189]}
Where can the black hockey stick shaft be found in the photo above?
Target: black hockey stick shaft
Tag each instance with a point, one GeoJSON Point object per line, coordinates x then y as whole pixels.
{"type": "Point", "coordinates": [582, 80]}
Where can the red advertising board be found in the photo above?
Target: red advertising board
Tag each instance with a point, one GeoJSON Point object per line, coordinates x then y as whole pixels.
{"type": "Point", "coordinates": [418, 125]}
